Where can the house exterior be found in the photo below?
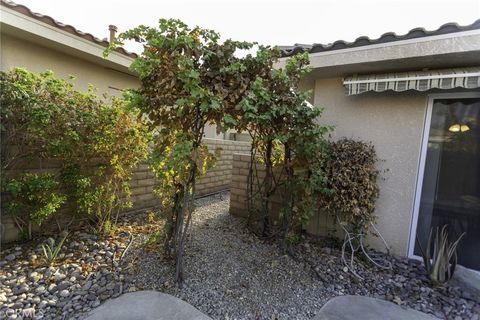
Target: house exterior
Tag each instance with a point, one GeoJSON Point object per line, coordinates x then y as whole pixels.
{"type": "Point", "coordinates": [38, 43]}
{"type": "Point", "coordinates": [416, 97]}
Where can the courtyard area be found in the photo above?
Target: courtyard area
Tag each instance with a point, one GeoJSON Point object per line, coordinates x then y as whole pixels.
{"type": "Point", "coordinates": [230, 273]}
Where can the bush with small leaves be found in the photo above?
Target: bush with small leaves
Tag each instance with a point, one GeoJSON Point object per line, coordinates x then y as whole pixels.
{"type": "Point", "coordinates": [188, 79]}
{"type": "Point", "coordinates": [33, 198]}
{"type": "Point", "coordinates": [97, 142]}
{"type": "Point", "coordinates": [351, 174]}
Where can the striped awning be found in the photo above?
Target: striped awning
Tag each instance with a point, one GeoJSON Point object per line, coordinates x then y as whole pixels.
{"type": "Point", "coordinates": [468, 78]}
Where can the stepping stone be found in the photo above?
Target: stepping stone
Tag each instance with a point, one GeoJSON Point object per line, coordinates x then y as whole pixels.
{"type": "Point", "coordinates": [365, 308]}
{"type": "Point", "coordinates": [146, 305]}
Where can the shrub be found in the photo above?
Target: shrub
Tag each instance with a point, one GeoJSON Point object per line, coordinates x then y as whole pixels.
{"type": "Point", "coordinates": [97, 142]}
{"type": "Point", "coordinates": [98, 169]}
{"type": "Point", "coordinates": [33, 197]}
{"type": "Point", "coordinates": [351, 173]}
{"type": "Point", "coordinates": [287, 139]}
{"type": "Point", "coordinates": [188, 79]}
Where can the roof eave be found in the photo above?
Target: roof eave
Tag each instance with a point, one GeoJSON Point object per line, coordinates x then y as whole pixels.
{"type": "Point", "coordinates": [23, 26]}
{"type": "Point", "coordinates": [440, 51]}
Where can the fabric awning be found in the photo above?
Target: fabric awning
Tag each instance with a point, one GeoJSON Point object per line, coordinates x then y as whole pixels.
{"type": "Point", "coordinates": [468, 78]}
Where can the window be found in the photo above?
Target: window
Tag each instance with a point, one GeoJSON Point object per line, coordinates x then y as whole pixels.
{"type": "Point", "coordinates": [449, 190]}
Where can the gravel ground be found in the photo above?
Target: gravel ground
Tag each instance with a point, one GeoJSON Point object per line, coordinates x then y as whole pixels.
{"type": "Point", "coordinates": [230, 274]}
{"type": "Point", "coordinates": [87, 273]}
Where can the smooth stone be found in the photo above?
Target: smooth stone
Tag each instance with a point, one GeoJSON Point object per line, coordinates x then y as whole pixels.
{"type": "Point", "coordinates": [110, 286]}
{"type": "Point", "coordinates": [35, 276]}
{"type": "Point", "coordinates": [40, 290]}
{"type": "Point", "coordinates": [91, 297]}
{"type": "Point", "coordinates": [63, 286]}
{"type": "Point", "coordinates": [64, 293]}
{"type": "Point", "coordinates": [59, 277]}
{"type": "Point", "coordinates": [365, 308]}
{"type": "Point", "coordinates": [52, 288]}
{"type": "Point", "coordinates": [146, 305]}
{"type": "Point", "coordinates": [21, 289]}
{"type": "Point", "coordinates": [95, 303]}
{"type": "Point", "coordinates": [87, 286]}
{"type": "Point", "coordinates": [10, 257]}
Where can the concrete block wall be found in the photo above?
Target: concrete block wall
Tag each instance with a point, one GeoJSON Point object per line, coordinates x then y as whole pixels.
{"type": "Point", "coordinates": [238, 187]}
{"type": "Point", "coordinates": [143, 180]}
{"type": "Point", "coordinates": [219, 177]}
{"type": "Point", "coordinates": [216, 179]}
{"type": "Point", "coordinates": [320, 224]}
{"type": "Point", "coordinates": [142, 184]}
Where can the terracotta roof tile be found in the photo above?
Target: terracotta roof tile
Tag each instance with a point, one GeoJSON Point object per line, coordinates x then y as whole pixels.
{"type": "Point", "coordinates": [65, 27]}
{"type": "Point", "coordinates": [385, 38]}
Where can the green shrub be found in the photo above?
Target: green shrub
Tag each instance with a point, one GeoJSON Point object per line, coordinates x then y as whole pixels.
{"type": "Point", "coordinates": [33, 198]}
{"type": "Point", "coordinates": [97, 142]}
{"type": "Point", "coordinates": [188, 79]}
{"type": "Point", "coordinates": [97, 172]}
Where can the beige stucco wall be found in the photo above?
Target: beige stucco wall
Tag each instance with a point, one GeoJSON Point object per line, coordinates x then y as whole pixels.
{"type": "Point", "coordinates": [17, 52]}
{"type": "Point", "coordinates": [20, 53]}
{"type": "Point", "coordinates": [393, 122]}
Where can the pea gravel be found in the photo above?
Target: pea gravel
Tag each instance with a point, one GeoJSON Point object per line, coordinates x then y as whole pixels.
{"type": "Point", "coordinates": [230, 274]}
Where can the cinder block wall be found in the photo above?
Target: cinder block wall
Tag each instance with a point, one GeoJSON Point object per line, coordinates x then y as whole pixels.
{"type": "Point", "coordinates": [216, 179]}
{"type": "Point", "coordinates": [143, 180]}
{"type": "Point", "coordinates": [219, 177]}
{"type": "Point", "coordinates": [320, 224]}
{"type": "Point", "coordinates": [238, 186]}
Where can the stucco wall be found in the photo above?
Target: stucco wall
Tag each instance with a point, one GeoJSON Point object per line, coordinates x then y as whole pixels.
{"type": "Point", "coordinates": [21, 53]}
{"type": "Point", "coordinates": [393, 122]}
{"type": "Point", "coordinates": [16, 52]}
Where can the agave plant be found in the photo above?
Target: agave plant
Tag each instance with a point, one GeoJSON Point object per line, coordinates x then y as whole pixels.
{"type": "Point", "coordinates": [441, 263]}
{"type": "Point", "coordinates": [52, 250]}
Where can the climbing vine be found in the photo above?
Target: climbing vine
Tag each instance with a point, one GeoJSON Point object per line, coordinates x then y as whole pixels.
{"type": "Point", "coordinates": [287, 143]}
{"type": "Point", "coordinates": [189, 79]}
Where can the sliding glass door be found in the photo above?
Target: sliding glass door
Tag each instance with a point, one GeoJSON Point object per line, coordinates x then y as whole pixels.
{"type": "Point", "coordinates": [450, 189]}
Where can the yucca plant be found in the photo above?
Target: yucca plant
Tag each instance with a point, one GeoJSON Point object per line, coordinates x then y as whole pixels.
{"type": "Point", "coordinates": [441, 263]}
{"type": "Point", "coordinates": [52, 250]}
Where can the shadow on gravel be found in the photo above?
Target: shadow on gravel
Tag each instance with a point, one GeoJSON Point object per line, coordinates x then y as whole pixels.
{"type": "Point", "coordinates": [232, 274]}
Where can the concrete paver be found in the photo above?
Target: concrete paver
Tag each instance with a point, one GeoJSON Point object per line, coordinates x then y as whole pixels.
{"type": "Point", "coordinates": [365, 308]}
{"type": "Point", "coordinates": [146, 305]}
